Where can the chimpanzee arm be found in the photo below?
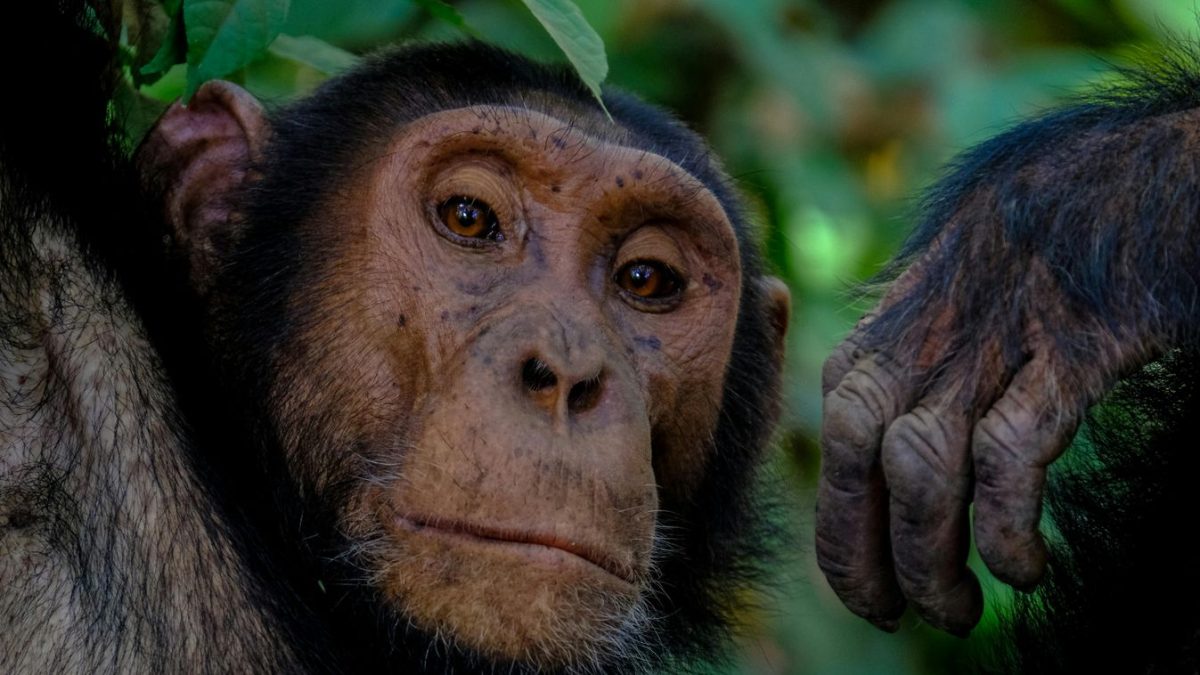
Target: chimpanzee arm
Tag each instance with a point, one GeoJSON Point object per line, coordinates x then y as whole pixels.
{"type": "Point", "coordinates": [1052, 260]}
{"type": "Point", "coordinates": [115, 556]}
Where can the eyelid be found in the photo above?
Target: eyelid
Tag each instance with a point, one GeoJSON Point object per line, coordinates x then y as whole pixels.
{"type": "Point", "coordinates": [652, 243]}
{"type": "Point", "coordinates": [485, 179]}
{"type": "Point", "coordinates": [651, 304]}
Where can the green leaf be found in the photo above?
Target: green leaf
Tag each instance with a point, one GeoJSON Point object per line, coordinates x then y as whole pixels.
{"type": "Point", "coordinates": [171, 50]}
{"type": "Point", "coordinates": [316, 54]}
{"type": "Point", "coordinates": [224, 36]}
{"type": "Point", "coordinates": [135, 112]}
{"type": "Point", "coordinates": [443, 12]}
{"type": "Point", "coordinates": [576, 38]}
{"type": "Point", "coordinates": [1168, 18]}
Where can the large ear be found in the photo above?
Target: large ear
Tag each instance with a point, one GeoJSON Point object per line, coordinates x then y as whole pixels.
{"type": "Point", "coordinates": [198, 157]}
{"type": "Point", "coordinates": [777, 301]}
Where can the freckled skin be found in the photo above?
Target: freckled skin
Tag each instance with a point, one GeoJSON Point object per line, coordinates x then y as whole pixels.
{"type": "Point", "coordinates": [450, 398]}
{"type": "Point", "coordinates": [536, 490]}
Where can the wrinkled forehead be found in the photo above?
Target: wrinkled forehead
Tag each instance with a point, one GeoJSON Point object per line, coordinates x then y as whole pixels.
{"type": "Point", "coordinates": [545, 148]}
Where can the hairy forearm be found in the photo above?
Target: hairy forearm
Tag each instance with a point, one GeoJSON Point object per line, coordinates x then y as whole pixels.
{"type": "Point", "coordinates": [1084, 215]}
{"type": "Point", "coordinates": [1049, 262]}
{"type": "Point", "coordinates": [111, 555]}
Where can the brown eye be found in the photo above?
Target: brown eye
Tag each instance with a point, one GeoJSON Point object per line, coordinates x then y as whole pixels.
{"type": "Point", "coordinates": [470, 218]}
{"type": "Point", "coordinates": [649, 280]}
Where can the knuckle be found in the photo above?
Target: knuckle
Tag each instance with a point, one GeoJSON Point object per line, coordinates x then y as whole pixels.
{"type": "Point", "coordinates": [836, 366]}
{"type": "Point", "coordinates": [867, 394]}
{"type": "Point", "coordinates": [919, 448]}
{"type": "Point", "coordinates": [849, 433]}
{"type": "Point", "coordinates": [998, 441]}
{"type": "Point", "coordinates": [1011, 419]}
{"type": "Point", "coordinates": [850, 417]}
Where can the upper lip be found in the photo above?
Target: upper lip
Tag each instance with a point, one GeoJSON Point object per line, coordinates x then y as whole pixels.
{"type": "Point", "coordinates": [580, 549]}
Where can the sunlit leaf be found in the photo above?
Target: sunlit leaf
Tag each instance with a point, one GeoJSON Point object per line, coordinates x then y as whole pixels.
{"type": "Point", "coordinates": [172, 46]}
{"type": "Point", "coordinates": [576, 38]}
{"type": "Point", "coordinates": [226, 35]}
{"type": "Point", "coordinates": [1171, 18]}
{"type": "Point", "coordinates": [316, 54]}
{"type": "Point", "coordinates": [443, 12]}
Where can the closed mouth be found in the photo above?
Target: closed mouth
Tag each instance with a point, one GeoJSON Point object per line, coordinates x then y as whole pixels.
{"type": "Point", "coordinates": [588, 553]}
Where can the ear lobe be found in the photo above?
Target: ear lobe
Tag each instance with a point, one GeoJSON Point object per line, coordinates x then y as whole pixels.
{"type": "Point", "coordinates": [198, 158]}
{"type": "Point", "coordinates": [777, 302]}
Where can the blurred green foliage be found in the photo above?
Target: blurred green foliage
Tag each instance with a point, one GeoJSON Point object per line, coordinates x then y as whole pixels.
{"type": "Point", "coordinates": [831, 115]}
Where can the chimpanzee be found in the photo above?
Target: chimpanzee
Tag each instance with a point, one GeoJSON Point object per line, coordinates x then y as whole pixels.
{"type": "Point", "coordinates": [438, 370]}
{"type": "Point", "coordinates": [1049, 263]}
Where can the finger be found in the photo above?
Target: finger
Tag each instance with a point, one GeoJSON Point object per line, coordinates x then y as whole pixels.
{"type": "Point", "coordinates": [851, 350]}
{"type": "Point", "coordinates": [839, 364]}
{"type": "Point", "coordinates": [852, 538]}
{"type": "Point", "coordinates": [1025, 430]}
{"type": "Point", "coordinates": [844, 357]}
{"type": "Point", "coordinates": [926, 461]}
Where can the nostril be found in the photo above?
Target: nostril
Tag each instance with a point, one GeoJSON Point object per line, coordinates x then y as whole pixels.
{"type": "Point", "coordinates": [537, 376]}
{"type": "Point", "coordinates": [584, 395]}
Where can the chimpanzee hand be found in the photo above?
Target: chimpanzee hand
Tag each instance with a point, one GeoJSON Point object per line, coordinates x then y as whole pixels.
{"type": "Point", "coordinates": [1060, 256]}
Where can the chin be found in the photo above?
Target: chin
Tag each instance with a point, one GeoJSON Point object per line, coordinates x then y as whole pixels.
{"type": "Point", "coordinates": [512, 598]}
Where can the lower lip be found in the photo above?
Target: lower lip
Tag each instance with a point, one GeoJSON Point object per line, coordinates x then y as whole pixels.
{"type": "Point", "coordinates": [545, 554]}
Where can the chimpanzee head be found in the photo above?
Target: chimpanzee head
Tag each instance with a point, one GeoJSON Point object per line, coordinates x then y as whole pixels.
{"type": "Point", "coordinates": [518, 357]}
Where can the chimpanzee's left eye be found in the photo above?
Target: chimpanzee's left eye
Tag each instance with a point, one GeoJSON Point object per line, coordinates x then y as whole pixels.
{"type": "Point", "coordinates": [470, 218]}
{"type": "Point", "coordinates": [649, 280]}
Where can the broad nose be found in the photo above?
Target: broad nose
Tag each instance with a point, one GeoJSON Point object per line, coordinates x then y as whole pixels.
{"type": "Point", "coordinates": [564, 386]}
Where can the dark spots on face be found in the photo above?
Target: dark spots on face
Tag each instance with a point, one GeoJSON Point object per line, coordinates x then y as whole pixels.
{"type": "Point", "coordinates": [477, 130]}
{"type": "Point", "coordinates": [648, 342]}
{"type": "Point", "coordinates": [468, 314]}
{"type": "Point", "coordinates": [22, 379]}
{"type": "Point", "coordinates": [556, 188]}
{"type": "Point", "coordinates": [445, 316]}
{"type": "Point", "coordinates": [712, 283]}
{"type": "Point", "coordinates": [401, 321]}
{"type": "Point", "coordinates": [620, 181]}
{"type": "Point", "coordinates": [637, 174]}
